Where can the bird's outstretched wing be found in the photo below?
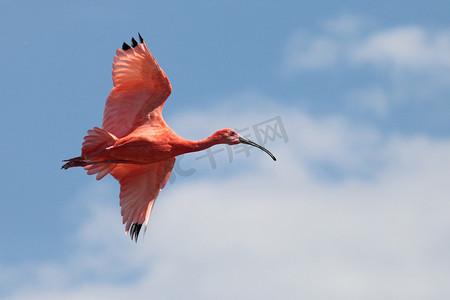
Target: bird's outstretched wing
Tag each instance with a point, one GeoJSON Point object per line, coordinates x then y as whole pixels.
{"type": "Point", "coordinates": [140, 87]}
{"type": "Point", "coordinates": [139, 188]}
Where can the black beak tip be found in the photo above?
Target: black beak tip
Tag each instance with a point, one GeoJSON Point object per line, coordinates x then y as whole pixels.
{"type": "Point", "coordinates": [248, 142]}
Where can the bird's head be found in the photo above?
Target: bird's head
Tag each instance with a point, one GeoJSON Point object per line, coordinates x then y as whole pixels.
{"type": "Point", "coordinates": [231, 137]}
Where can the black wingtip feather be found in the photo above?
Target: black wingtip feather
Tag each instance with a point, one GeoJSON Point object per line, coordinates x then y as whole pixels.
{"type": "Point", "coordinates": [133, 43]}
{"type": "Point", "coordinates": [125, 46]}
{"type": "Point", "coordinates": [140, 38]}
{"type": "Point", "coordinates": [134, 231]}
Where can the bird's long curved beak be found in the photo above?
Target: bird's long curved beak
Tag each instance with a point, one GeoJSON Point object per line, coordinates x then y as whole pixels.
{"type": "Point", "coordinates": [248, 142]}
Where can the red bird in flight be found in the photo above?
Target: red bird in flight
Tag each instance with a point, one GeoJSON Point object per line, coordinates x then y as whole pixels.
{"type": "Point", "coordinates": [135, 145]}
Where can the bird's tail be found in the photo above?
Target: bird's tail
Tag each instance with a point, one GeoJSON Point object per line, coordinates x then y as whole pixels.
{"type": "Point", "coordinates": [94, 143]}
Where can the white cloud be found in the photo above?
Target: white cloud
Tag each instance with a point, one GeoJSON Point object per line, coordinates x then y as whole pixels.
{"type": "Point", "coordinates": [306, 52]}
{"type": "Point", "coordinates": [387, 66]}
{"type": "Point", "coordinates": [273, 230]}
{"type": "Point", "coordinates": [347, 40]}
{"type": "Point", "coordinates": [372, 99]}
{"type": "Point", "coordinates": [346, 25]}
{"type": "Point", "coordinates": [411, 47]}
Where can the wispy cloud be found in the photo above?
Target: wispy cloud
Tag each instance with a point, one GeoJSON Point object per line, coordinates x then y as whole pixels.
{"type": "Point", "coordinates": [389, 65]}
{"type": "Point", "coordinates": [347, 40]}
{"type": "Point", "coordinates": [307, 52]}
{"type": "Point", "coordinates": [374, 99]}
{"type": "Point", "coordinates": [410, 47]}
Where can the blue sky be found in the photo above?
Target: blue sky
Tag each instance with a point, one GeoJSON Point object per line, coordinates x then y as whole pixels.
{"type": "Point", "coordinates": [356, 204]}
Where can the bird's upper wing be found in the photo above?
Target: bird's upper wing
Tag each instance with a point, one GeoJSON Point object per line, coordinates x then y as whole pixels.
{"type": "Point", "coordinates": [140, 87]}
{"type": "Point", "coordinates": [139, 187]}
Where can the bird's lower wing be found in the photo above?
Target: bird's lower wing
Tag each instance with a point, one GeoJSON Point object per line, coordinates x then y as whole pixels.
{"type": "Point", "coordinates": [139, 188]}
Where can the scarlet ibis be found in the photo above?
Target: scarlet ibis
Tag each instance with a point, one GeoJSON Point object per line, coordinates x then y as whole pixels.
{"type": "Point", "coordinates": [135, 145]}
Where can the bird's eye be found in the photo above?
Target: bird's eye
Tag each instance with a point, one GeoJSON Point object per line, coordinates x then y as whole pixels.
{"type": "Point", "coordinates": [232, 133]}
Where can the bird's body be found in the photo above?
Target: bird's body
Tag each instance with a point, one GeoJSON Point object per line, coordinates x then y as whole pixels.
{"type": "Point", "coordinates": [135, 145]}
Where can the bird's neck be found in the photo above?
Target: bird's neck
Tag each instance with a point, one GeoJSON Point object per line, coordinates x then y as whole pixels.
{"type": "Point", "coordinates": [193, 146]}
